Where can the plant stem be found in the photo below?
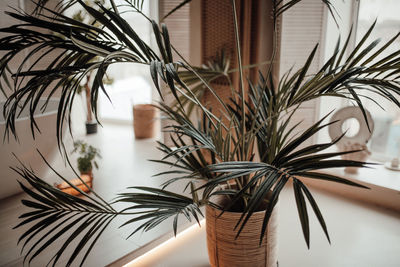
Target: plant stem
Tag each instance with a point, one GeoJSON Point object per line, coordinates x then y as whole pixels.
{"type": "Point", "coordinates": [242, 95]}
{"type": "Point", "coordinates": [88, 100]}
{"type": "Point", "coordinates": [241, 86]}
{"type": "Point", "coordinates": [274, 41]}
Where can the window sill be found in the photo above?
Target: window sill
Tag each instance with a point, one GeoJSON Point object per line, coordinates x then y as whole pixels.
{"type": "Point", "coordinates": [384, 186]}
{"type": "Point", "coordinates": [377, 175]}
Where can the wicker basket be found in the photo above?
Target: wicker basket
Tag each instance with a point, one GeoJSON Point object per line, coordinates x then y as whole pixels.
{"type": "Point", "coordinates": [144, 120]}
{"type": "Point", "coordinates": [225, 250]}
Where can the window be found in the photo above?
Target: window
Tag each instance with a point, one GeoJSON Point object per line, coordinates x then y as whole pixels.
{"type": "Point", "coordinates": [385, 141]}
{"type": "Point", "coordinates": [131, 82]}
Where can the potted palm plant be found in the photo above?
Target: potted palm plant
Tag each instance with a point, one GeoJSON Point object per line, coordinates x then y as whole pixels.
{"type": "Point", "coordinates": [235, 167]}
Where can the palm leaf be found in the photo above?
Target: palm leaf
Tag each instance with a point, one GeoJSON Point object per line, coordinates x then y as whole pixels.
{"type": "Point", "coordinates": [54, 213]}
{"type": "Point", "coordinates": [160, 205]}
{"type": "Point", "coordinates": [302, 210]}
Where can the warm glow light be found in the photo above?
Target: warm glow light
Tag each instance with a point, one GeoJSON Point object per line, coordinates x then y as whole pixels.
{"type": "Point", "coordinates": [167, 245]}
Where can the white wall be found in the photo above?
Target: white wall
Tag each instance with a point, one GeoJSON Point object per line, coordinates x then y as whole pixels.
{"type": "Point", "coordinates": [6, 21]}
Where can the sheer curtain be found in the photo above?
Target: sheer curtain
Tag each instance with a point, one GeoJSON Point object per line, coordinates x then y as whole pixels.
{"type": "Point", "coordinates": [385, 143]}
{"type": "Point", "coordinates": [360, 15]}
{"type": "Point", "coordinates": [132, 83]}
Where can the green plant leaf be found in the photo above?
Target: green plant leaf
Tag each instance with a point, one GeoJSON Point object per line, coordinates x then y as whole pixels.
{"type": "Point", "coordinates": [315, 208]}
{"type": "Point", "coordinates": [302, 210]}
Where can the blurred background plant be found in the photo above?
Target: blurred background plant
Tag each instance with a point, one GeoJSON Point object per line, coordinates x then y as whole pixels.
{"type": "Point", "coordinates": [87, 157]}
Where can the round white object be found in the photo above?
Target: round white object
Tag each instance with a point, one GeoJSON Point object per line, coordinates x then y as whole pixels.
{"type": "Point", "coordinates": [343, 114]}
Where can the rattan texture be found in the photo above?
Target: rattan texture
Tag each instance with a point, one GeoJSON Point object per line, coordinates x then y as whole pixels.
{"type": "Point", "coordinates": [226, 251]}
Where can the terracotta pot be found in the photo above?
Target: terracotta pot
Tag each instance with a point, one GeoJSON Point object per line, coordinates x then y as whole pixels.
{"type": "Point", "coordinates": [144, 120]}
{"type": "Point", "coordinates": [66, 188]}
{"type": "Point", "coordinates": [88, 173]}
{"type": "Point", "coordinates": [225, 250]}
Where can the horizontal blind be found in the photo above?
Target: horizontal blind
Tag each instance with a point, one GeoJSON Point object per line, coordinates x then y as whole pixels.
{"type": "Point", "coordinates": [302, 29]}
{"type": "Point", "coordinates": [179, 34]}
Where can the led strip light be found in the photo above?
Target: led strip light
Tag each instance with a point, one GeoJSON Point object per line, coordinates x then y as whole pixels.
{"type": "Point", "coordinates": [173, 240]}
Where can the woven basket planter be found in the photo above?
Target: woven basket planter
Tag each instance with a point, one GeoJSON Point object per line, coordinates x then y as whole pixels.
{"type": "Point", "coordinates": [144, 120]}
{"type": "Point", "coordinates": [225, 250]}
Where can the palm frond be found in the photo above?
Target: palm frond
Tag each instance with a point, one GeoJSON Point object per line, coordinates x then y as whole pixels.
{"type": "Point", "coordinates": [56, 215]}
{"type": "Point", "coordinates": [80, 49]}
{"type": "Point", "coordinates": [157, 205]}
{"type": "Point", "coordinates": [344, 78]}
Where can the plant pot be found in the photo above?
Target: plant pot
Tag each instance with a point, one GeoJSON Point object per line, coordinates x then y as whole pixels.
{"type": "Point", "coordinates": [225, 250]}
{"type": "Point", "coordinates": [91, 127]}
{"type": "Point", "coordinates": [144, 120]}
{"type": "Point", "coordinates": [66, 188]}
{"type": "Point", "coordinates": [88, 173]}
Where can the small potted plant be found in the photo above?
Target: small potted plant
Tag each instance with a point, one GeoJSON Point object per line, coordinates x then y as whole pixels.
{"type": "Point", "coordinates": [87, 157]}
{"type": "Point", "coordinates": [85, 163]}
